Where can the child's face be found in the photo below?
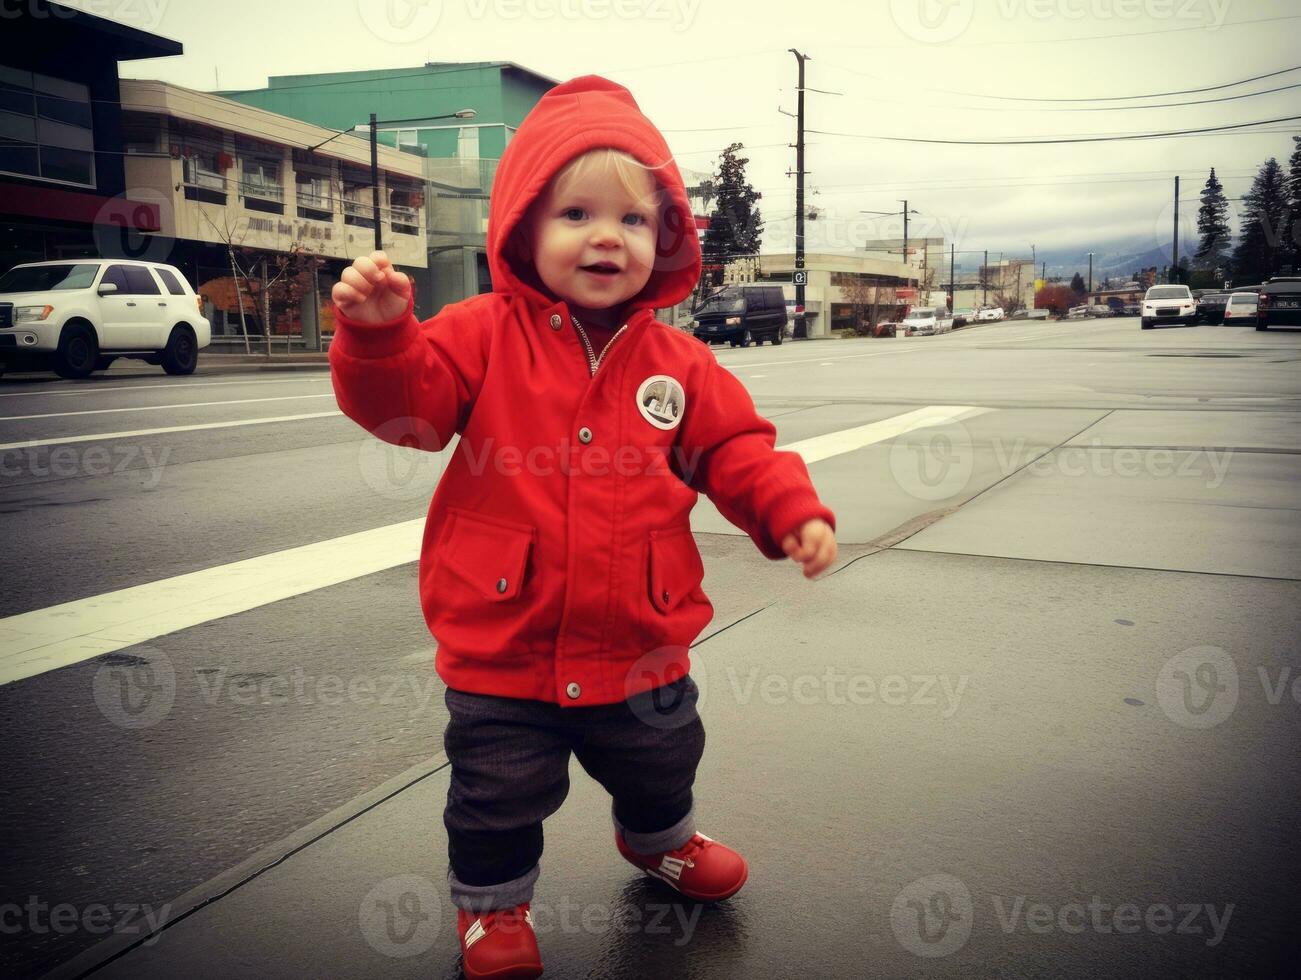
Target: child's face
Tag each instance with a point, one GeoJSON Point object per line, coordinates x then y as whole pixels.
{"type": "Point", "coordinates": [593, 242]}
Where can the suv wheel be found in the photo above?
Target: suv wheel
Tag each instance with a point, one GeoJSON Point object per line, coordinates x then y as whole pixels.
{"type": "Point", "coordinates": [1259, 325]}
{"type": "Point", "coordinates": [778, 336]}
{"type": "Point", "coordinates": [77, 353]}
{"type": "Point", "coordinates": [745, 338]}
{"type": "Point", "coordinates": [181, 355]}
{"type": "Point", "coordinates": [1145, 323]}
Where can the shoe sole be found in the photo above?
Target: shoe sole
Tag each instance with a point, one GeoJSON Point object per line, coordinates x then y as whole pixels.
{"type": "Point", "coordinates": [520, 972]}
{"type": "Point", "coordinates": [696, 895]}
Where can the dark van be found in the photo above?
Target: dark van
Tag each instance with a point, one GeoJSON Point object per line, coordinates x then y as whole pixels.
{"type": "Point", "coordinates": [741, 314]}
{"type": "Point", "coordinates": [1280, 303]}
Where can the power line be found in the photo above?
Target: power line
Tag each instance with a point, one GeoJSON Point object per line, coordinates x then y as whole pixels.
{"type": "Point", "coordinates": [1130, 98]}
{"type": "Point", "coordinates": [1066, 40]}
{"type": "Point", "coordinates": [1057, 139]}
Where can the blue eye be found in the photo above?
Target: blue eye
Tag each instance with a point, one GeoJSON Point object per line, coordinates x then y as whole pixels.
{"type": "Point", "coordinates": [637, 219]}
{"type": "Point", "coordinates": [575, 214]}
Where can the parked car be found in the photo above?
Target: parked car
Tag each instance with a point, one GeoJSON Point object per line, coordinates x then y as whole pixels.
{"type": "Point", "coordinates": [1210, 307]}
{"type": "Point", "coordinates": [1077, 312]}
{"type": "Point", "coordinates": [885, 328]}
{"type": "Point", "coordinates": [1101, 310]}
{"type": "Point", "coordinates": [1240, 308]}
{"type": "Point", "coordinates": [78, 316]}
{"type": "Point", "coordinates": [988, 313]}
{"type": "Point", "coordinates": [741, 314]}
{"type": "Point", "coordinates": [964, 316]}
{"type": "Point", "coordinates": [921, 321]}
{"type": "Point", "coordinates": [1280, 303]}
{"type": "Point", "coordinates": [1133, 309]}
{"type": "Point", "coordinates": [1168, 304]}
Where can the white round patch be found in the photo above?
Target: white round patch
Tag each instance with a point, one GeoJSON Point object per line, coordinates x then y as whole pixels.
{"type": "Point", "coordinates": [661, 401]}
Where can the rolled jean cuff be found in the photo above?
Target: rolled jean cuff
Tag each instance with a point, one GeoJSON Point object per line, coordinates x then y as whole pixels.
{"type": "Point", "coordinates": [486, 898]}
{"type": "Point", "coordinates": [661, 840]}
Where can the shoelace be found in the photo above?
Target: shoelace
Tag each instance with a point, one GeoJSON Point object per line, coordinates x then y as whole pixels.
{"type": "Point", "coordinates": [688, 851]}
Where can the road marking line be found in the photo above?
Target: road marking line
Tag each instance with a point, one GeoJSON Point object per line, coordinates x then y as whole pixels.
{"type": "Point", "coordinates": [848, 440]}
{"type": "Point", "coordinates": [133, 433]}
{"type": "Point", "coordinates": [155, 408]}
{"type": "Point", "coordinates": [739, 363]}
{"type": "Point", "coordinates": [45, 639]}
{"type": "Point", "coordinates": [82, 391]}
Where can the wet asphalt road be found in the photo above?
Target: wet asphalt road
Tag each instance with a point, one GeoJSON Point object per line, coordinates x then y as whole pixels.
{"type": "Point", "coordinates": [1120, 499]}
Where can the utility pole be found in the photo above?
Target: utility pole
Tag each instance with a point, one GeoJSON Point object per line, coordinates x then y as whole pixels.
{"type": "Point", "coordinates": [1090, 272]}
{"type": "Point", "coordinates": [800, 330]}
{"type": "Point", "coordinates": [374, 179]}
{"type": "Point", "coordinates": [1174, 269]}
{"type": "Point", "coordinates": [905, 231]}
{"type": "Point", "coordinates": [984, 280]}
{"type": "Point", "coordinates": [953, 283]}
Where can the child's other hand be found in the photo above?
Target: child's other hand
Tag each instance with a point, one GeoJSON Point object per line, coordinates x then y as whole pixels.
{"type": "Point", "coordinates": [813, 544]}
{"type": "Point", "coordinates": [371, 290]}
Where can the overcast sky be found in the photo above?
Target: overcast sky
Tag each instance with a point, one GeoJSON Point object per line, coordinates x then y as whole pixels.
{"type": "Point", "coordinates": [712, 71]}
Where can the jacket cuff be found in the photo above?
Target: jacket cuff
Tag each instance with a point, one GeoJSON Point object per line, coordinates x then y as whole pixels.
{"type": "Point", "coordinates": [375, 340]}
{"type": "Point", "coordinates": [789, 516]}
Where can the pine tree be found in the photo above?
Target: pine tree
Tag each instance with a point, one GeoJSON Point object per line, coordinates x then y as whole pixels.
{"type": "Point", "coordinates": [735, 227]}
{"type": "Point", "coordinates": [1077, 284]}
{"type": "Point", "coordinates": [1260, 253]}
{"type": "Point", "coordinates": [1294, 208]}
{"type": "Point", "coordinates": [1213, 226]}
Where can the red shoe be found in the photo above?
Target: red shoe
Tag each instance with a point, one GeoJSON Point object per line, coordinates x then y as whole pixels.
{"type": "Point", "coordinates": [701, 868]}
{"type": "Point", "coordinates": [499, 945]}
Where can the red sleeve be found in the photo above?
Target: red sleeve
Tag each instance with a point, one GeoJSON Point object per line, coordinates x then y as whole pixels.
{"type": "Point", "coordinates": [406, 382]}
{"type": "Point", "coordinates": [766, 493]}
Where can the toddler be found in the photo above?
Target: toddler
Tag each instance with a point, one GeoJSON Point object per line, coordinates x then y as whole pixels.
{"type": "Point", "coordinates": [558, 570]}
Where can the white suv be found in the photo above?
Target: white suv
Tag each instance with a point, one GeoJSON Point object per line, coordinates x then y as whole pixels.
{"type": "Point", "coordinates": [78, 315]}
{"type": "Point", "coordinates": [1168, 304]}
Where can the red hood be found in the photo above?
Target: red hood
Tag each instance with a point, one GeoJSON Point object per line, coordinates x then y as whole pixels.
{"type": "Point", "coordinates": [572, 118]}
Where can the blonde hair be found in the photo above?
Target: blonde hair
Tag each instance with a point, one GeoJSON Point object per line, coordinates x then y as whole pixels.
{"type": "Point", "coordinates": [631, 172]}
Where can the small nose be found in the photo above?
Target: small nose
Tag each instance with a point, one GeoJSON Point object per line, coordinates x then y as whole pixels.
{"type": "Point", "coordinates": [605, 233]}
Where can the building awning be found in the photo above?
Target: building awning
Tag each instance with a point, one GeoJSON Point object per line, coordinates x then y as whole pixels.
{"type": "Point", "coordinates": [56, 204]}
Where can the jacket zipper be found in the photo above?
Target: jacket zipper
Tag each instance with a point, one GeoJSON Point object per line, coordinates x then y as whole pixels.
{"type": "Point", "coordinates": [593, 362]}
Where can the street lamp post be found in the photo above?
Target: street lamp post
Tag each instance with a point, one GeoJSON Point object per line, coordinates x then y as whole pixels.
{"type": "Point", "coordinates": [373, 126]}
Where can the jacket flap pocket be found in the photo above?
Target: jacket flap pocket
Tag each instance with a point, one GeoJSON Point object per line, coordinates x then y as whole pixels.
{"type": "Point", "coordinates": [676, 569]}
{"type": "Point", "coordinates": [489, 553]}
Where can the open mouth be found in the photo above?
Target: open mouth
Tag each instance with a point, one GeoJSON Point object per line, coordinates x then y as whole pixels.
{"type": "Point", "coordinates": [601, 268]}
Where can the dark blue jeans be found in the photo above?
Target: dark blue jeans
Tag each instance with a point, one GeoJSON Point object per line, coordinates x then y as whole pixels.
{"type": "Point", "coordinates": [510, 771]}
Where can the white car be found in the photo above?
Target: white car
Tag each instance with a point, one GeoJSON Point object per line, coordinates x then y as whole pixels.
{"type": "Point", "coordinates": [78, 315]}
{"type": "Point", "coordinates": [1168, 304]}
{"type": "Point", "coordinates": [989, 313]}
{"type": "Point", "coordinates": [922, 321]}
{"type": "Point", "coordinates": [1241, 308]}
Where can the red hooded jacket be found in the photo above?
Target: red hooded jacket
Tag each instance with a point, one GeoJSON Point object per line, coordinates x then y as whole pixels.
{"type": "Point", "coordinates": [558, 562]}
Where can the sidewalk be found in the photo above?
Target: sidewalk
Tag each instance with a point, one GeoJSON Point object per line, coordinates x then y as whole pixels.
{"type": "Point", "coordinates": [913, 753]}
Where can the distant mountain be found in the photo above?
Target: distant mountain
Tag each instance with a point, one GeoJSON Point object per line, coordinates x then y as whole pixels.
{"type": "Point", "coordinates": [1117, 258]}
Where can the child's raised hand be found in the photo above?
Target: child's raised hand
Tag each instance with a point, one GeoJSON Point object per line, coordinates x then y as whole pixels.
{"type": "Point", "coordinates": [813, 545]}
{"type": "Point", "coordinates": [371, 290]}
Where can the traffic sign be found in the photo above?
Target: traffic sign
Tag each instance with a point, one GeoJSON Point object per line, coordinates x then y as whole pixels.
{"type": "Point", "coordinates": [801, 278]}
